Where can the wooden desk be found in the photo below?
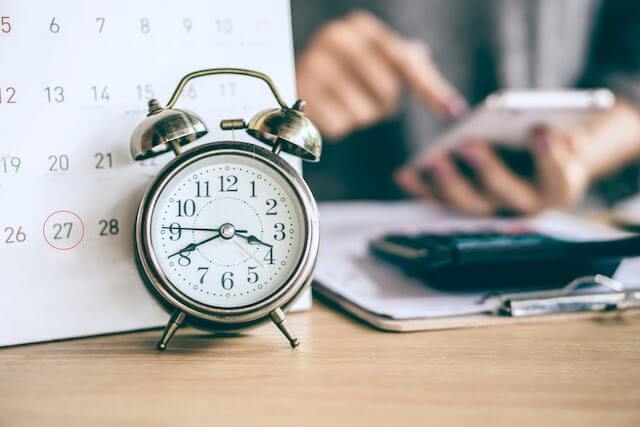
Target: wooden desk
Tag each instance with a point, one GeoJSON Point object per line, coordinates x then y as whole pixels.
{"type": "Point", "coordinates": [583, 373]}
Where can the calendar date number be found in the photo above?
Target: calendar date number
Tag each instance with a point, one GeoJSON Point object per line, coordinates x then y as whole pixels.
{"type": "Point", "coordinates": [103, 160]}
{"type": "Point", "coordinates": [10, 165]}
{"type": "Point", "coordinates": [8, 95]}
{"type": "Point", "coordinates": [109, 227]}
{"type": "Point", "coordinates": [58, 163]}
{"type": "Point", "coordinates": [5, 24]}
{"type": "Point", "coordinates": [14, 235]}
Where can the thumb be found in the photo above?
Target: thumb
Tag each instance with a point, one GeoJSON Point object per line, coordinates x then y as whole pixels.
{"type": "Point", "coordinates": [560, 177]}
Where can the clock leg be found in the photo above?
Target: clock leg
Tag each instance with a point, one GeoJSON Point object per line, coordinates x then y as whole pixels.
{"type": "Point", "coordinates": [280, 321]}
{"type": "Point", "coordinates": [174, 323]}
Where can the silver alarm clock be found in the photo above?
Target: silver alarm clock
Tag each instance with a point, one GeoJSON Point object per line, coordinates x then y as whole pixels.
{"type": "Point", "coordinates": [227, 233]}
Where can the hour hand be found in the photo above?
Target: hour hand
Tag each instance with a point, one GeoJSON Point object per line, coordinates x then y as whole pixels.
{"type": "Point", "coordinates": [253, 240]}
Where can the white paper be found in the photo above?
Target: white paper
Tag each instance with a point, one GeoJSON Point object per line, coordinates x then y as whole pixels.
{"type": "Point", "coordinates": [347, 269]}
{"type": "Point", "coordinates": [74, 82]}
{"type": "Point", "coordinates": [628, 211]}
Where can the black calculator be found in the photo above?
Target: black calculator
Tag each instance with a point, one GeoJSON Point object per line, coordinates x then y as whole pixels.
{"type": "Point", "coordinates": [498, 259]}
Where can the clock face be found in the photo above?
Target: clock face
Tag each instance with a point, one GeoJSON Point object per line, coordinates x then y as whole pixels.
{"type": "Point", "coordinates": [228, 230]}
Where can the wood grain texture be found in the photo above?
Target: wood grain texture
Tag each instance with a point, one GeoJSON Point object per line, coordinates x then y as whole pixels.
{"type": "Point", "coordinates": [584, 372]}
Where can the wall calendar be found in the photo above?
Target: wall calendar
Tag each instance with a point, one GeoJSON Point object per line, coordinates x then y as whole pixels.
{"type": "Point", "coordinates": [74, 82]}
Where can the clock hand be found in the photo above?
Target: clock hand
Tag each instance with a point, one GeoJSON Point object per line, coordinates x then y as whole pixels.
{"type": "Point", "coordinates": [197, 229]}
{"type": "Point", "coordinates": [192, 246]}
{"type": "Point", "coordinates": [253, 240]}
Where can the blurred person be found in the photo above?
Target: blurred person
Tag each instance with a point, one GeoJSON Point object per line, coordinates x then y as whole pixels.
{"type": "Point", "coordinates": [356, 60]}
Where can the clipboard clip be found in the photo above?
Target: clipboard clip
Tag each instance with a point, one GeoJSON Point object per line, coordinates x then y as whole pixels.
{"type": "Point", "coordinates": [569, 300]}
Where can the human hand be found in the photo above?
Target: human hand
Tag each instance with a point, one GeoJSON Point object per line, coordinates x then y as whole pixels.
{"type": "Point", "coordinates": [354, 70]}
{"type": "Point", "coordinates": [561, 176]}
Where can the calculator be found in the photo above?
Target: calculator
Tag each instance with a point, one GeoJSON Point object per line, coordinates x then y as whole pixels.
{"type": "Point", "coordinates": [497, 260]}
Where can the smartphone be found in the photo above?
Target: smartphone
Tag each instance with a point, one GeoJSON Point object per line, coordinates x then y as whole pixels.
{"type": "Point", "coordinates": [506, 118]}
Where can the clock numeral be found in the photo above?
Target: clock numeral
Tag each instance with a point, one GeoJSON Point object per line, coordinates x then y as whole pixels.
{"type": "Point", "coordinates": [186, 207]}
{"type": "Point", "coordinates": [229, 183]}
{"type": "Point", "coordinates": [271, 207]}
{"type": "Point", "coordinates": [110, 227]}
{"type": "Point", "coordinates": [183, 258]}
{"type": "Point", "coordinates": [204, 271]}
{"type": "Point", "coordinates": [279, 234]}
{"type": "Point", "coordinates": [202, 189]}
{"type": "Point", "coordinates": [14, 235]}
{"type": "Point", "coordinates": [252, 276]}
{"type": "Point", "coordinates": [269, 256]}
{"type": "Point", "coordinates": [227, 280]}
{"type": "Point", "coordinates": [176, 231]}
{"type": "Point", "coordinates": [253, 189]}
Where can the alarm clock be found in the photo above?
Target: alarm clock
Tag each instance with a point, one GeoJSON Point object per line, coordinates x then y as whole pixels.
{"type": "Point", "coordinates": [227, 234]}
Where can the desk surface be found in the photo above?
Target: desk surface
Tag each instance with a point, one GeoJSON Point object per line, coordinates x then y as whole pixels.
{"type": "Point", "coordinates": [584, 373]}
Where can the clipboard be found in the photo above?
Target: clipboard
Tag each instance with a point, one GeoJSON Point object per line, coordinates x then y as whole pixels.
{"type": "Point", "coordinates": [388, 299]}
{"type": "Point", "coordinates": [567, 303]}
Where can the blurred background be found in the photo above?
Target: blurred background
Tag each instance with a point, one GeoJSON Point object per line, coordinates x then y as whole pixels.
{"type": "Point", "coordinates": [384, 79]}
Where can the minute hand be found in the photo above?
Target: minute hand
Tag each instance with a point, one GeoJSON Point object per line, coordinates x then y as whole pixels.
{"type": "Point", "coordinates": [198, 229]}
{"type": "Point", "coordinates": [192, 246]}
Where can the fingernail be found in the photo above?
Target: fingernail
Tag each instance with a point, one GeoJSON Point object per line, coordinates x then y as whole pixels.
{"type": "Point", "coordinates": [473, 156]}
{"type": "Point", "coordinates": [456, 106]}
{"type": "Point", "coordinates": [421, 46]}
